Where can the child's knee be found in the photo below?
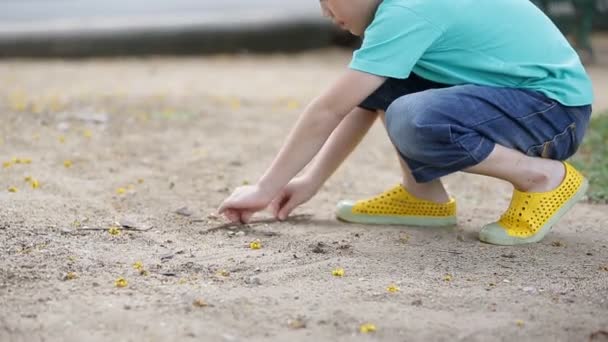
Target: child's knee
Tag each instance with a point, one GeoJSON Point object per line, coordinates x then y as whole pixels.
{"type": "Point", "coordinates": [416, 124]}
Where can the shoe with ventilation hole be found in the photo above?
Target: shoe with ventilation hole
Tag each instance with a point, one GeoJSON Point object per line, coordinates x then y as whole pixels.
{"type": "Point", "coordinates": [398, 206]}
{"type": "Point", "coordinates": [532, 214]}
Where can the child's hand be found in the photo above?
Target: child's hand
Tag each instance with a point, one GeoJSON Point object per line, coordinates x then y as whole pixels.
{"type": "Point", "coordinates": [244, 202]}
{"type": "Point", "coordinates": [298, 191]}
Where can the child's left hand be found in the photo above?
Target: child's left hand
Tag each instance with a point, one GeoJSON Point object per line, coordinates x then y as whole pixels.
{"type": "Point", "coordinates": [244, 202]}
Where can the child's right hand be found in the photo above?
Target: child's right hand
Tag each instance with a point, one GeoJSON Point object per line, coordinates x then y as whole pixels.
{"type": "Point", "coordinates": [298, 191]}
{"type": "Point", "coordinates": [244, 202]}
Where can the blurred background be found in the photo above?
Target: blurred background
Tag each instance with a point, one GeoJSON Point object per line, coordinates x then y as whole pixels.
{"type": "Point", "coordinates": [136, 27]}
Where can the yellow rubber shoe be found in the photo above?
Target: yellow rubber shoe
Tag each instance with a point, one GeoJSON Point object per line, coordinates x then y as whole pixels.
{"type": "Point", "coordinates": [397, 206]}
{"type": "Point", "coordinates": [532, 214]}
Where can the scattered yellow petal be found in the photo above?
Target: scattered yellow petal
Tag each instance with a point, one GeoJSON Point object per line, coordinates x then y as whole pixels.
{"type": "Point", "coordinates": [16, 160]}
{"type": "Point", "coordinates": [35, 184]}
{"type": "Point", "coordinates": [296, 324]}
{"type": "Point", "coordinates": [255, 244]}
{"type": "Point", "coordinates": [130, 187]}
{"type": "Point", "coordinates": [67, 163]}
{"type": "Point", "coordinates": [224, 273]}
{"type": "Point", "coordinates": [87, 133]}
{"type": "Point", "coordinates": [140, 181]}
{"type": "Point", "coordinates": [7, 164]}
{"type": "Point", "coordinates": [245, 182]}
{"type": "Point", "coordinates": [338, 272]}
{"type": "Point", "coordinates": [114, 230]}
{"type": "Point", "coordinates": [121, 191]}
{"type": "Point", "coordinates": [392, 288]}
{"type": "Point", "coordinates": [447, 277]}
{"type": "Point", "coordinates": [121, 282]}
{"type": "Point", "coordinates": [61, 139]}
{"type": "Point", "coordinates": [70, 276]}
{"type": "Point", "coordinates": [293, 104]}
{"type": "Point", "coordinates": [367, 328]}
{"type": "Point", "coordinates": [200, 303]}
{"type": "Point", "coordinates": [182, 281]}
{"type": "Point", "coordinates": [18, 101]}
{"type": "Point", "coordinates": [26, 161]}
{"type": "Point", "coordinates": [519, 322]}
{"type": "Point", "coordinates": [235, 103]}
{"type": "Point", "coordinates": [138, 265]}
{"type": "Point", "coordinates": [28, 179]}
{"type": "Point", "coordinates": [12, 189]}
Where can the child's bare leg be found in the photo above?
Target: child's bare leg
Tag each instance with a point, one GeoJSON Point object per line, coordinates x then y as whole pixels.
{"type": "Point", "coordinates": [528, 174]}
{"type": "Point", "coordinates": [432, 191]}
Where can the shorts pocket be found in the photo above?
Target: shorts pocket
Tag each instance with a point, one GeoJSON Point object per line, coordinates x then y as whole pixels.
{"type": "Point", "coordinates": [561, 147]}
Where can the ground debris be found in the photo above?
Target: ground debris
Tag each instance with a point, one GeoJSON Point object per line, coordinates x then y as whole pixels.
{"type": "Point", "coordinates": [238, 225]}
{"type": "Point", "coordinates": [319, 248]}
{"type": "Point", "coordinates": [184, 211]}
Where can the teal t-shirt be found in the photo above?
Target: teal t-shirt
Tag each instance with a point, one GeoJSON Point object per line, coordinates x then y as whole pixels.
{"type": "Point", "coordinates": [502, 43]}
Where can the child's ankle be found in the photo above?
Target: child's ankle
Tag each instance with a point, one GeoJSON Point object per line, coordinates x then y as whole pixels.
{"type": "Point", "coordinates": [432, 191]}
{"type": "Point", "coordinates": [545, 180]}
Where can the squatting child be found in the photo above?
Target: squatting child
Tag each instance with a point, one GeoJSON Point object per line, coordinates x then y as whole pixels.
{"type": "Point", "coordinates": [485, 87]}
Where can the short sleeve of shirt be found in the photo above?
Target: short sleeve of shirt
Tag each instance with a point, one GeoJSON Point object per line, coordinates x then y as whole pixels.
{"type": "Point", "coordinates": [394, 42]}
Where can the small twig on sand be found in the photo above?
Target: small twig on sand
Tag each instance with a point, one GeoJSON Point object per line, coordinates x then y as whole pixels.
{"type": "Point", "coordinates": [121, 228]}
{"type": "Point", "coordinates": [235, 225]}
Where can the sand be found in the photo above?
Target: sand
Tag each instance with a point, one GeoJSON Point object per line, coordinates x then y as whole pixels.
{"type": "Point", "coordinates": [148, 137]}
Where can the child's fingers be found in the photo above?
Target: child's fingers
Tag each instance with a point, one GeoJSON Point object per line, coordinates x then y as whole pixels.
{"type": "Point", "coordinates": [246, 216]}
{"type": "Point", "coordinates": [279, 203]}
{"type": "Point", "coordinates": [286, 209]}
{"type": "Point", "coordinates": [274, 207]}
{"type": "Point", "coordinates": [232, 215]}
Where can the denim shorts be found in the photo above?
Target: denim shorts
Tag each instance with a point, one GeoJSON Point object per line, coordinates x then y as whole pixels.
{"type": "Point", "coordinates": [440, 129]}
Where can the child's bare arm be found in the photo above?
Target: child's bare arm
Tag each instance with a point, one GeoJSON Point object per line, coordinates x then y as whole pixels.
{"type": "Point", "coordinates": [312, 129]}
{"type": "Point", "coordinates": [316, 124]}
{"type": "Point", "coordinates": [340, 144]}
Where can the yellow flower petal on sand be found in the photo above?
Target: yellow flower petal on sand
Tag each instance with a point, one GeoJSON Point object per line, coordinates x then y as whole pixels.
{"type": "Point", "coordinates": [7, 164]}
{"type": "Point", "coordinates": [28, 179]}
{"type": "Point", "coordinates": [87, 133]}
{"type": "Point", "coordinates": [67, 163]}
{"type": "Point", "coordinates": [138, 265]}
{"type": "Point", "coordinates": [448, 277]}
{"type": "Point", "coordinates": [121, 282]}
{"type": "Point", "coordinates": [26, 161]}
{"type": "Point", "coordinates": [255, 244]}
{"type": "Point", "coordinates": [114, 231]}
{"type": "Point", "coordinates": [12, 189]}
{"type": "Point", "coordinates": [224, 273]}
{"type": "Point", "coordinates": [392, 288]}
{"type": "Point", "coordinates": [121, 191]}
{"type": "Point", "coordinates": [200, 303]}
{"type": "Point", "coordinates": [35, 184]}
{"type": "Point", "coordinates": [293, 104]}
{"type": "Point", "coordinates": [519, 323]}
{"type": "Point", "coordinates": [140, 181]}
{"type": "Point", "coordinates": [367, 328]}
{"type": "Point", "coordinates": [61, 139]}
{"type": "Point", "coordinates": [338, 272]}
{"type": "Point", "coordinates": [70, 276]}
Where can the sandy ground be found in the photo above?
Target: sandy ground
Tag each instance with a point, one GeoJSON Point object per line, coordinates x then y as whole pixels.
{"type": "Point", "coordinates": [173, 133]}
